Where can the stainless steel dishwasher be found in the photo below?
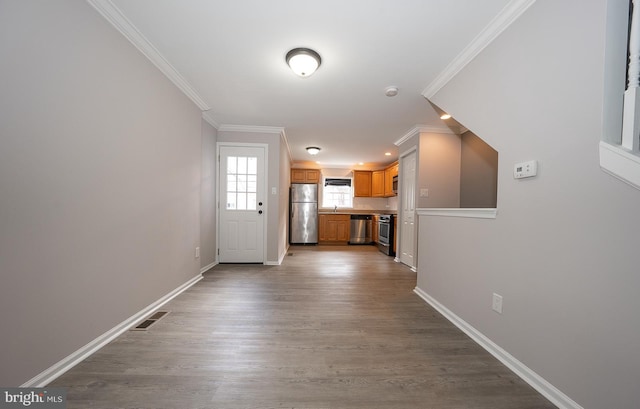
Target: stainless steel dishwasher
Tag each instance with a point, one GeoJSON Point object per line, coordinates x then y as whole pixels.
{"type": "Point", "coordinates": [360, 229]}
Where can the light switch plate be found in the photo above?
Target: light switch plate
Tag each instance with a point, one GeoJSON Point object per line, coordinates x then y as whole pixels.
{"type": "Point", "coordinates": [424, 192]}
{"type": "Point", "coordinates": [496, 304]}
{"type": "Point", "coordinates": [525, 169]}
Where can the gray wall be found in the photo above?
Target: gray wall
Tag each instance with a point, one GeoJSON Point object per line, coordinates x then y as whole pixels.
{"type": "Point", "coordinates": [478, 172]}
{"type": "Point", "coordinates": [100, 163]}
{"type": "Point", "coordinates": [438, 168]}
{"type": "Point", "coordinates": [563, 249]}
{"type": "Point", "coordinates": [208, 247]}
{"type": "Point", "coordinates": [283, 194]}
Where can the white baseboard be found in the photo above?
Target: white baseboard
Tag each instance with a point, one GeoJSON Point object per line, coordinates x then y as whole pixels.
{"type": "Point", "coordinates": [280, 258]}
{"type": "Point", "coordinates": [413, 268]}
{"type": "Point", "coordinates": [209, 267]}
{"type": "Point", "coordinates": [549, 391]}
{"type": "Point", "coordinates": [50, 374]}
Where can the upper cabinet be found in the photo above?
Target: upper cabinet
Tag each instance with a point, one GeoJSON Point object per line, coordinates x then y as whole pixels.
{"type": "Point", "coordinates": [362, 183]}
{"type": "Point", "coordinates": [389, 173]}
{"type": "Point", "coordinates": [377, 183]}
{"type": "Point", "coordinates": [305, 176]}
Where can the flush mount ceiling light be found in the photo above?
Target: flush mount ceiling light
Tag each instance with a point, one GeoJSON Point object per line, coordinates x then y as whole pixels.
{"type": "Point", "coordinates": [313, 150]}
{"type": "Point", "coordinates": [303, 61]}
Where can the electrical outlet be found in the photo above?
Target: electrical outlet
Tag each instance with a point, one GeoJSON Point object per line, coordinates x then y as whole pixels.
{"type": "Point", "coordinates": [197, 252]}
{"type": "Point", "coordinates": [497, 303]}
{"type": "Point", "coordinates": [424, 192]}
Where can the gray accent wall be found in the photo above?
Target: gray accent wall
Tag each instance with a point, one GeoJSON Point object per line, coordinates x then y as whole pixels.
{"type": "Point", "coordinates": [478, 172]}
{"type": "Point", "coordinates": [208, 209]}
{"type": "Point", "coordinates": [283, 198]}
{"type": "Point", "coordinates": [100, 177]}
{"type": "Point", "coordinates": [563, 250]}
{"type": "Point", "coordinates": [438, 168]}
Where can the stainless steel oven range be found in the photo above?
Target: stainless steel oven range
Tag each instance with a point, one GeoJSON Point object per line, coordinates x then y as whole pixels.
{"type": "Point", "coordinates": [385, 234]}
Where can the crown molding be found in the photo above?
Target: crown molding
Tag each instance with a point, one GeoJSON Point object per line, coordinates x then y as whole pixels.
{"type": "Point", "coordinates": [283, 136]}
{"type": "Point", "coordinates": [251, 128]}
{"type": "Point", "coordinates": [510, 13]}
{"type": "Point", "coordinates": [208, 117]}
{"type": "Point", "coordinates": [113, 15]}
{"type": "Point", "coordinates": [418, 129]}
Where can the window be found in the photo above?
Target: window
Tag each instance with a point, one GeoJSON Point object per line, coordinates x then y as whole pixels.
{"type": "Point", "coordinates": [242, 176]}
{"type": "Point", "coordinates": [337, 192]}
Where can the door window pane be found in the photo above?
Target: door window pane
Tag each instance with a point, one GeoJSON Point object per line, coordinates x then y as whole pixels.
{"type": "Point", "coordinates": [252, 166]}
{"type": "Point", "coordinates": [232, 165]}
{"type": "Point", "coordinates": [251, 201]}
{"type": "Point", "coordinates": [242, 177]}
{"type": "Point", "coordinates": [242, 201]}
{"type": "Point", "coordinates": [242, 165]}
{"type": "Point", "coordinates": [231, 201]}
{"type": "Point", "coordinates": [252, 183]}
{"type": "Point", "coordinates": [231, 183]}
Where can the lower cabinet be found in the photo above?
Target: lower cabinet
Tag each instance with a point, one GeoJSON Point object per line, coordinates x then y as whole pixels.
{"type": "Point", "coordinates": [395, 234]}
{"type": "Point", "coordinates": [333, 228]}
{"type": "Point", "coordinates": [374, 228]}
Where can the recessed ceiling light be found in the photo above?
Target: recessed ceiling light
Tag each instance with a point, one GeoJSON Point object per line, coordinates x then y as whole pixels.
{"type": "Point", "coordinates": [303, 61]}
{"type": "Point", "coordinates": [387, 154]}
{"type": "Point", "coordinates": [391, 91]}
{"type": "Point", "coordinates": [445, 116]}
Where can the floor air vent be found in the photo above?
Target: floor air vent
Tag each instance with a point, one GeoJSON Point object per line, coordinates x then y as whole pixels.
{"type": "Point", "coordinates": [147, 323]}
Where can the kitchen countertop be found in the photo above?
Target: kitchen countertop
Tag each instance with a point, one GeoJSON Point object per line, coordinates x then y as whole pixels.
{"type": "Point", "coordinates": [357, 211]}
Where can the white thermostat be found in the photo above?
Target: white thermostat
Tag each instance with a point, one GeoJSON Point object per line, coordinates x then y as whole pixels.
{"type": "Point", "coordinates": [525, 169]}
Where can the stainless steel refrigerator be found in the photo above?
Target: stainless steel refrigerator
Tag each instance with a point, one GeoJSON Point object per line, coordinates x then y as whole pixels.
{"type": "Point", "coordinates": [303, 214]}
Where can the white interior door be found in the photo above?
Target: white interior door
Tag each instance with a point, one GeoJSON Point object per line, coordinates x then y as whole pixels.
{"type": "Point", "coordinates": [408, 210]}
{"type": "Point", "coordinates": [242, 204]}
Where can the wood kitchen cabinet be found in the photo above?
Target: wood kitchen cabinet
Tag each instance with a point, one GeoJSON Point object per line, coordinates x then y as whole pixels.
{"type": "Point", "coordinates": [395, 234]}
{"type": "Point", "coordinates": [305, 176]}
{"type": "Point", "coordinates": [377, 183]}
{"type": "Point", "coordinates": [389, 173]}
{"type": "Point", "coordinates": [362, 183]}
{"type": "Point", "coordinates": [333, 228]}
{"type": "Point", "coordinates": [374, 228]}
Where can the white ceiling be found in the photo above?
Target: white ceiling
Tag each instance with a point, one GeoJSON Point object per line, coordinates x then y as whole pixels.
{"type": "Point", "coordinates": [232, 54]}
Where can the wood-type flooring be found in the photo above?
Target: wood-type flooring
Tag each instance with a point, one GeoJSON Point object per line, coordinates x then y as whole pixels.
{"type": "Point", "coordinates": [332, 327]}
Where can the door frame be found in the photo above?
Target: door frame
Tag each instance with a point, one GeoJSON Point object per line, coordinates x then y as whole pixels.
{"type": "Point", "coordinates": [265, 169]}
{"type": "Point", "coordinates": [401, 158]}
